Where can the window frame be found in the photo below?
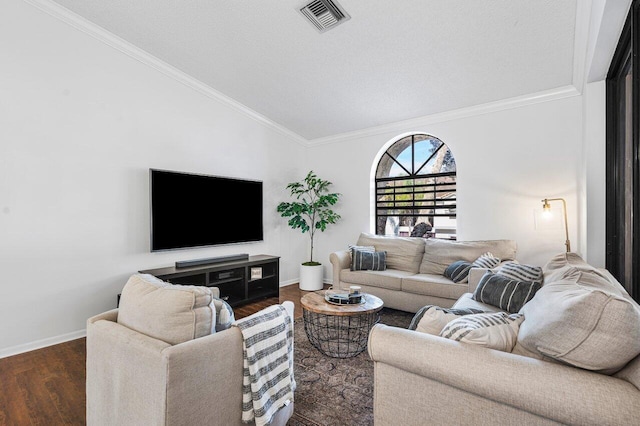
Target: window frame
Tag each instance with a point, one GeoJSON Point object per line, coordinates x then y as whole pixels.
{"type": "Point", "coordinates": [622, 158]}
{"type": "Point", "coordinates": [443, 183]}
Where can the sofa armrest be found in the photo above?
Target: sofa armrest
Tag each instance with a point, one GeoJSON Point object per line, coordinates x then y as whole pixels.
{"type": "Point", "coordinates": [340, 260]}
{"type": "Point", "coordinates": [475, 274]}
{"type": "Point", "coordinates": [553, 391]}
{"type": "Point", "coordinates": [125, 382]}
{"type": "Point", "coordinates": [111, 315]}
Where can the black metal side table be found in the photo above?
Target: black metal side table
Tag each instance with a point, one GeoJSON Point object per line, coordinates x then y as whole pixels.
{"type": "Point", "coordinates": [339, 331]}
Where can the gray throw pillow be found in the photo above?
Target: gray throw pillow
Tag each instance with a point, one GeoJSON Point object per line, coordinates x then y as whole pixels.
{"type": "Point", "coordinates": [363, 260]}
{"type": "Point", "coordinates": [505, 293]}
{"type": "Point", "coordinates": [224, 314]}
{"type": "Point", "coordinates": [458, 272]}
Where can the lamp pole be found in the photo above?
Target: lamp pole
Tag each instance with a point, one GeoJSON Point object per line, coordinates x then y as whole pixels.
{"type": "Point", "coordinates": [547, 207]}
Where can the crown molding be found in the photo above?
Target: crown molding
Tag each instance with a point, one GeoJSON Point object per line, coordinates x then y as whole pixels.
{"type": "Point", "coordinates": [491, 107]}
{"type": "Point", "coordinates": [76, 21]}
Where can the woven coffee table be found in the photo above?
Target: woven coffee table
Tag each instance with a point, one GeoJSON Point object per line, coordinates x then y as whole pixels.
{"type": "Point", "coordinates": [339, 331]}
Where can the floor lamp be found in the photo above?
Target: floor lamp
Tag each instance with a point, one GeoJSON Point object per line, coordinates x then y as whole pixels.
{"type": "Point", "coordinates": [546, 208]}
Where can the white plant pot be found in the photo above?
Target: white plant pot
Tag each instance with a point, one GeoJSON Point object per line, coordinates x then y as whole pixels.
{"type": "Point", "coordinates": [311, 277]}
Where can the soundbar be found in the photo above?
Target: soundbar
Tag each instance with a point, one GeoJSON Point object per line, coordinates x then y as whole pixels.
{"type": "Point", "coordinates": [211, 260]}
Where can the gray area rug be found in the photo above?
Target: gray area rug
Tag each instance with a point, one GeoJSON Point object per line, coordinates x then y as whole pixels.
{"type": "Point", "coordinates": [333, 391]}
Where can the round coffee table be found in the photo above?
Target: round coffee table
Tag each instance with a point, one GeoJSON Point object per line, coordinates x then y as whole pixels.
{"type": "Point", "coordinates": [339, 331]}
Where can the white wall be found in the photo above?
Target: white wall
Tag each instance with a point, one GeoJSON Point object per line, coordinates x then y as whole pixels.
{"type": "Point", "coordinates": [507, 162]}
{"type": "Point", "coordinates": [80, 125]}
{"type": "Point", "coordinates": [594, 172]}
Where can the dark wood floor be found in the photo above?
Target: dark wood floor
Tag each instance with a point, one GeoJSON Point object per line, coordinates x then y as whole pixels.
{"type": "Point", "coordinates": [47, 386]}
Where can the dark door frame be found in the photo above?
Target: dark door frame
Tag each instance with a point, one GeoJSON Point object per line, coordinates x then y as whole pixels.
{"type": "Point", "coordinates": [621, 233]}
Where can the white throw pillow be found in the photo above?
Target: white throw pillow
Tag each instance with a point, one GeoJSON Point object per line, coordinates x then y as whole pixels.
{"type": "Point", "coordinates": [497, 330]}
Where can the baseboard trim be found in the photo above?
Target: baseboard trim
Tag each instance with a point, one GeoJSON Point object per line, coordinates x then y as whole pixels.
{"type": "Point", "coordinates": [43, 343]}
{"type": "Point", "coordinates": [297, 280]}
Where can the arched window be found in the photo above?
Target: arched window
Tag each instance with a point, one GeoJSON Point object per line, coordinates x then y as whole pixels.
{"type": "Point", "coordinates": [416, 183]}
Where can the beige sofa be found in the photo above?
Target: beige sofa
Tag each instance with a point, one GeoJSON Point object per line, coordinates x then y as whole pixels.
{"type": "Point", "coordinates": [187, 377]}
{"type": "Point", "coordinates": [577, 318]}
{"type": "Point", "coordinates": [415, 266]}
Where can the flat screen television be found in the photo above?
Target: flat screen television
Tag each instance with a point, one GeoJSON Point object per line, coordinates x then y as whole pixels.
{"type": "Point", "coordinates": [192, 210]}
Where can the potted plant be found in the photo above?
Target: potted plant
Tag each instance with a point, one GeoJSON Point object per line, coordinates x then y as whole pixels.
{"type": "Point", "coordinates": [310, 212]}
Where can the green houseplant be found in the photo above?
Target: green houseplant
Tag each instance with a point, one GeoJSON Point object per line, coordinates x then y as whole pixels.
{"type": "Point", "coordinates": [310, 212]}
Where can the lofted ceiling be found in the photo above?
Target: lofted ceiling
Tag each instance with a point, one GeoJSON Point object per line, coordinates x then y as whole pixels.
{"type": "Point", "coordinates": [392, 61]}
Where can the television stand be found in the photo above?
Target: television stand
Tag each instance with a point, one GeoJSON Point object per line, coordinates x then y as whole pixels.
{"type": "Point", "coordinates": [239, 281]}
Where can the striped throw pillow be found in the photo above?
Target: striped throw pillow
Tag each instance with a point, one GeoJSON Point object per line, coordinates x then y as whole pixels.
{"type": "Point", "coordinates": [520, 272]}
{"type": "Point", "coordinates": [363, 260]}
{"type": "Point", "coordinates": [505, 293]}
{"type": "Point", "coordinates": [458, 272]}
{"type": "Point", "coordinates": [487, 260]}
{"type": "Point", "coordinates": [353, 247]}
{"type": "Point", "coordinates": [431, 319]}
{"type": "Point", "coordinates": [497, 330]}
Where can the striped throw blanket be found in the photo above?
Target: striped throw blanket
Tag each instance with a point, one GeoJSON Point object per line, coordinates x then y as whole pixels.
{"type": "Point", "coordinates": [268, 381]}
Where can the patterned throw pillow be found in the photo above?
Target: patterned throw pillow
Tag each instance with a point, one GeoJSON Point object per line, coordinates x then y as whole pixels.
{"type": "Point", "coordinates": [497, 330]}
{"type": "Point", "coordinates": [368, 261]}
{"type": "Point", "coordinates": [458, 272]}
{"type": "Point", "coordinates": [487, 260]}
{"type": "Point", "coordinates": [520, 272]}
{"type": "Point", "coordinates": [432, 319]}
{"type": "Point", "coordinates": [505, 293]}
{"type": "Point", "coordinates": [224, 314]}
{"type": "Point", "coordinates": [362, 248]}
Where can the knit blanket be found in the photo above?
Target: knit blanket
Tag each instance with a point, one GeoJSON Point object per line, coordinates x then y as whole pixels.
{"type": "Point", "coordinates": [267, 348]}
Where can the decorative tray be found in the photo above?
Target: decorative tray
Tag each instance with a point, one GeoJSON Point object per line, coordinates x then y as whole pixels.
{"type": "Point", "coordinates": [338, 297]}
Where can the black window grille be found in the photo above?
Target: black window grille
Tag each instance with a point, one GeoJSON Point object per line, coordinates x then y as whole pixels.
{"type": "Point", "coordinates": [416, 182]}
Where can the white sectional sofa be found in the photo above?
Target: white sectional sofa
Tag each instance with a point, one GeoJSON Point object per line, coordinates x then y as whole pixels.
{"type": "Point", "coordinates": [575, 361]}
{"type": "Point", "coordinates": [415, 266]}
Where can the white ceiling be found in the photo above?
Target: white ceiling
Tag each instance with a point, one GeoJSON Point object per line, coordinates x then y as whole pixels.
{"type": "Point", "coordinates": [394, 60]}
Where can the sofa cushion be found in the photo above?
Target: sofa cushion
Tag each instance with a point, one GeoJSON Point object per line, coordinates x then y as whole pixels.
{"type": "Point", "coordinates": [439, 254]}
{"type": "Point", "coordinates": [570, 266]}
{"type": "Point", "coordinates": [458, 272]}
{"type": "Point", "coordinates": [431, 319]}
{"type": "Point", "coordinates": [466, 302]}
{"type": "Point", "coordinates": [403, 253]}
{"type": "Point", "coordinates": [582, 319]}
{"type": "Point", "coordinates": [505, 293]}
{"type": "Point", "coordinates": [433, 285]}
{"type": "Point", "coordinates": [362, 260]}
{"type": "Point", "coordinates": [390, 279]}
{"type": "Point", "coordinates": [497, 330]}
{"type": "Point", "coordinates": [171, 313]}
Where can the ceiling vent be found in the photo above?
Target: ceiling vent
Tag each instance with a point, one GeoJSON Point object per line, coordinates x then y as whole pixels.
{"type": "Point", "coordinates": [324, 14]}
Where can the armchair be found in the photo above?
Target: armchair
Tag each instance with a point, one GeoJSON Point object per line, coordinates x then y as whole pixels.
{"type": "Point", "coordinates": [134, 379]}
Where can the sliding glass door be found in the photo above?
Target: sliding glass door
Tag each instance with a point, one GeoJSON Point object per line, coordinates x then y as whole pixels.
{"type": "Point", "coordinates": [623, 189]}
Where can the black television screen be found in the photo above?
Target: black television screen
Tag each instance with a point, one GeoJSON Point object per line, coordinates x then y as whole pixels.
{"type": "Point", "coordinates": [190, 210]}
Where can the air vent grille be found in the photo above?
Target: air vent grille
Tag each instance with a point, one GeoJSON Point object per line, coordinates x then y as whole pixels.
{"type": "Point", "coordinates": [324, 14]}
